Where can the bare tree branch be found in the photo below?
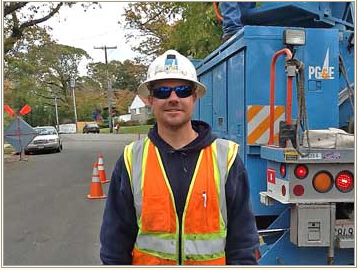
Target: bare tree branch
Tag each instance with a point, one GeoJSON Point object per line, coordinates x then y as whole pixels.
{"type": "Point", "coordinates": [10, 7]}
{"type": "Point", "coordinates": [17, 31]}
{"type": "Point", "coordinates": [37, 21]}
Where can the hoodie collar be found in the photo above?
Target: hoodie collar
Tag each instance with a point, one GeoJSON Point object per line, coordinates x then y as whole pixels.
{"type": "Point", "coordinates": [204, 139]}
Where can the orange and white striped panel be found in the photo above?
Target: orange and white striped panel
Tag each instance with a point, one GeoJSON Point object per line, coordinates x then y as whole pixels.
{"type": "Point", "coordinates": [258, 123]}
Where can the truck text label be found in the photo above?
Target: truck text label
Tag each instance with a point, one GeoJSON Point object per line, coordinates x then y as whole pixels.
{"type": "Point", "coordinates": [325, 72]}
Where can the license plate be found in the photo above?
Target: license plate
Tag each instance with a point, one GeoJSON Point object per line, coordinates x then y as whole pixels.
{"type": "Point", "coordinates": [344, 228]}
{"type": "Point", "coordinates": [40, 146]}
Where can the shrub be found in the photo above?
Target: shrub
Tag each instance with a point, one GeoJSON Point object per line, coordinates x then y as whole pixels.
{"type": "Point", "coordinates": [131, 123]}
{"type": "Point", "coordinates": [151, 121]}
{"type": "Point", "coordinates": [103, 125]}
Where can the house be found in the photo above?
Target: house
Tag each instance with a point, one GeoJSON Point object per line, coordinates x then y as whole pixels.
{"type": "Point", "coordinates": [139, 110]}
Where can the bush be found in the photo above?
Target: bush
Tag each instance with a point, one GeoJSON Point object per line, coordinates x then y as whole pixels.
{"type": "Point", "coordinates": [131, 123]}
{"type": "Point", "coordinates": [151, 121]}
{"type": "Point", "coordinates": [103, 125]}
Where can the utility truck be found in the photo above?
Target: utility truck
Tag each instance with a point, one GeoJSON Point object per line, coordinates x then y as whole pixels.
{"type": "Point", "coordinates": [283, 88]}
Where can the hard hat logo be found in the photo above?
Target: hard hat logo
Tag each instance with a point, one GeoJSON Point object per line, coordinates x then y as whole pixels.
{"type": "Point", "coordinates": [171, 65]}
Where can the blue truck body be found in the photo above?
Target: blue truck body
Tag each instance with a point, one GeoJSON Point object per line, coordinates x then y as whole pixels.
{"type": "Point", "coordinates": [236, 105]}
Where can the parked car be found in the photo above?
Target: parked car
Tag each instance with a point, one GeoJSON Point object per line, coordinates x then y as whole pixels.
{"type": "Point", "coordinates": [47, 139]}
{"type": "Point", "coordinates": [91, 128]}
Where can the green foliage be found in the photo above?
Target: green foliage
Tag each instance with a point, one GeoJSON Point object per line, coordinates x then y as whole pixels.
{"type": "Point", "coordinates": [22, 16]}
{"type": "Point", "coordinates": [189, 27]}
{"type": "Point", "coordinates": [198, 33]}
{"type": "Point", "coordinates": [153, 22]}
{"type": "Point", "coordinates": [126, 75]}
{"type": "Point", "coordinates": [38, 70]}
{"type": "Point", "coordinates": [103, 125]}
{"type": "Point", "coordinates": [151, 121]}
{"type": "Point", "coordinates": [129, 75]}
{"type": "Point", "coordinates": [7, 119]}
{"type": "Point", "coordinates": [138, 129]}
{"type": "Point", "coordinates": [130, 123]}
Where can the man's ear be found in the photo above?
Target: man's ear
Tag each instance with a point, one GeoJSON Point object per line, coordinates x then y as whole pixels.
{"type": "Point", "coordinates": [194, 97]}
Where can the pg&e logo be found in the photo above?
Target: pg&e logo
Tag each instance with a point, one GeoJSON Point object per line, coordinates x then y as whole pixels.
{"type": "Point", "coordinates": [325, 72]}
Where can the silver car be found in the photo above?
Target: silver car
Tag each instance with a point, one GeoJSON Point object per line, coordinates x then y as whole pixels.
{"type": "Point", "coordinates": [47, 139]}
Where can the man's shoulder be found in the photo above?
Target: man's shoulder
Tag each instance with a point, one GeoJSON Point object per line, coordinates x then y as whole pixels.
{"type": "Point", "coordinates": [226, 142]}
{"type": "Point", "coordinates": [137, 143]}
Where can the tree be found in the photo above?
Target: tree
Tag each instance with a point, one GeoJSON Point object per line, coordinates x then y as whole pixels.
{"type": "Point", "coordinates": [189, 27]}
{"type": "Point", "coordinates": [60, 65]}
{"type": "Point", "coordinates": [40, 72]}
{"type": "Point", "coordinates": [126, 75]}
{"type": "Point", "coordinates": [124, 99]}
{"type": "Point", "coordinates": [198, 33]}
{"type": "Point", "coordinates": [153, 21]}
{"type": "Point", "coordinates": [19, 16]}
{"type": "Point", "coordinates": [129, 75]}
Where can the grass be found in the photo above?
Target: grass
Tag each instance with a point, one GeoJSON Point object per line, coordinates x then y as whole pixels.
{"type": "Point", "coordinates": [130, 130]}
{"type": "Point", "coordinates": [8, 149]}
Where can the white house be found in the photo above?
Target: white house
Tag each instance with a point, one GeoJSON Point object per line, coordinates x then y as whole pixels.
{"type": "Point", "coordinates": [139, 110]}
{"type": "Point", "coordinates": [124, 118]}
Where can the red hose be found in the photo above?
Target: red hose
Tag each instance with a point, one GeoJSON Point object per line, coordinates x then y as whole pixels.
{"type": "Point", "coordinates": [217, 12]}
{"type": "Point", "coordinates": [272, 92]}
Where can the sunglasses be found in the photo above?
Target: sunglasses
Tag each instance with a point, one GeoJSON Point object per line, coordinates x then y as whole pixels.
{"type": "Point", "coordinates": [163, 92]}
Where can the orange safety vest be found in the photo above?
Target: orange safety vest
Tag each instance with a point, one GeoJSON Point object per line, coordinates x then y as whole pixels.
{"type": "Point", "coordinates": [204, 223]}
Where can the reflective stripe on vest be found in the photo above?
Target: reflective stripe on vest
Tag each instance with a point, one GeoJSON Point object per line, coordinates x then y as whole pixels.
{"type": "Point", "coordinates": [151, 242]}
{"type": "Point", "coordinates": [135, 167]}
{"type": "Point", "coordinates": [202, 247]}
{"type": "Point", "coordinates": [160, 239]}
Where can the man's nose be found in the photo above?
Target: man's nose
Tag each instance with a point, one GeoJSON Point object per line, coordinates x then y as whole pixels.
{"type": "Point", "coordinates": [173, 96]}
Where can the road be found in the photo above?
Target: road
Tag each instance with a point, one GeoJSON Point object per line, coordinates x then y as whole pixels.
{"type": "Point", "coordinates": [48, 219]}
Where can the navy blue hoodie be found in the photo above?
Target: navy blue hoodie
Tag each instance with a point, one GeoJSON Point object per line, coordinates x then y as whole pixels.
{"type": "Point", "coordinates": [119, 227]}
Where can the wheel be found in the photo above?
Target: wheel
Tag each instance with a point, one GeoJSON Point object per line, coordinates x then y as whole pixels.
{"type": "Point", "coordinates": [58, 150]}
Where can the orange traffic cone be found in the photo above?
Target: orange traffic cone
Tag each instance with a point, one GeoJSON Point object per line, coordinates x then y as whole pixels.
{"type": "Point", "coordinates": [96, 187]}
{"type": "Point", "coordinates": [102, 172]}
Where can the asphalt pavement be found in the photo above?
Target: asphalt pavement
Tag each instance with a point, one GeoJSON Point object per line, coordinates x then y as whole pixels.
{"type": "Point", "coordinates": [47, 218]}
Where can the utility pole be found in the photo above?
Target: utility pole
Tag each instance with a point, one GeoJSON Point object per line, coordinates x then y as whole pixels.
{"type": "Point", "coordinates": [109, 90]}
{"type": "Point", "coordinates": [56, 111]}
{"type": "Point", "coordinates": [72, 85]}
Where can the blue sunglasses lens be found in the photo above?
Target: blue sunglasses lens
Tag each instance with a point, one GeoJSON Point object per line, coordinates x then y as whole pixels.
{"type": "Point", "coordinates": [163, 92]}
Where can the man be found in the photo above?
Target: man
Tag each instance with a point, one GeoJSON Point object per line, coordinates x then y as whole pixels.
{"type": "Point", "coordinates": [179, 196]}
{"type": "Point", "coordinates": [232, 13]}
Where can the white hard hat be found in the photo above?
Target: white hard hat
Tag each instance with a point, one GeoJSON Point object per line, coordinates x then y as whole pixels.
{"type": "Point", "coordinates": [171, 65]}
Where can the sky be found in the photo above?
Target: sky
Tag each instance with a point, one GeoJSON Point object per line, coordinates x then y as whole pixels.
{"type": "Point", "coordinates": [93, 28]}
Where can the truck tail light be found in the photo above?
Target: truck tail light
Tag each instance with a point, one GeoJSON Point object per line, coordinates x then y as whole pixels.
{"type": "Point", "coordinates": [298, 190]}
{"type": "Point", "coordinates": [283, 170]}
{"type": "Point", "coordinates": [301, 171]}
{"type": "Point", "coordinates": [344, 181]}
{"type": "Point", "coordinates": [322, 181]}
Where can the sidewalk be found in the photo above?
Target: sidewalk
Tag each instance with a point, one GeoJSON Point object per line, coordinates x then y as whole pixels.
{"type": "Point", "coordinates": [9, 153]}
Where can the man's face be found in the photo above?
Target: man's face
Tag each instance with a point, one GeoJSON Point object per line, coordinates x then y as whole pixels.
{"type": "Point", "coordinates": [172, 112]}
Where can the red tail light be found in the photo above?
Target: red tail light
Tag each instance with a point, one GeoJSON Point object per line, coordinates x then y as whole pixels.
{"type": "Point", "coordinates": [344, 181]}
{"type": "Point", "coordinates": [298, 190]}
{"type": "Point", "coordinates": [301, 171]}
{"type": "Point", "coordinates": [283, 170]}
